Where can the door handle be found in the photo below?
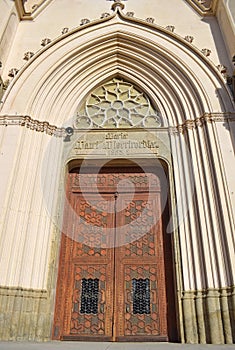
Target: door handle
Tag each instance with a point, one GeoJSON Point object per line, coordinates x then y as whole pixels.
{"type": "Point", "coordinates": [101, 308]}
{"type": "Point", "coordinates": [127, 308]}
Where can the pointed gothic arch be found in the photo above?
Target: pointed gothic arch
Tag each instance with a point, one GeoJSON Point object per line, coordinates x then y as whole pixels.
{"type": "Point", "coordinates": [189, 92]}
{"type": "Point", "coordinates": [50, 85]}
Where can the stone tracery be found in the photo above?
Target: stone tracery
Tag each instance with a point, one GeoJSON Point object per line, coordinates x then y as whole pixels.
{"type": "Point", "coordinates": [115, 104]}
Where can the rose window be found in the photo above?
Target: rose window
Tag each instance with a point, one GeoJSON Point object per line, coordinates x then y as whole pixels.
{"type": "Point", "coordinates": [117, 104]}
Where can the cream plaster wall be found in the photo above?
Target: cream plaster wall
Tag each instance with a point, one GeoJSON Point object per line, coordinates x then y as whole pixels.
{"type": "Point", "coordinates": [8, 26]}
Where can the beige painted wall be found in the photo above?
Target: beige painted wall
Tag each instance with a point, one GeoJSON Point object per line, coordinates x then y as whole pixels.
{"type": "Point", "coordinates": [8, 27]}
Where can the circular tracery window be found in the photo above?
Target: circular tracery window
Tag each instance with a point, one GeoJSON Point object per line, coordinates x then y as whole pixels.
{"type": "Point", "coordinates": [117, 104]}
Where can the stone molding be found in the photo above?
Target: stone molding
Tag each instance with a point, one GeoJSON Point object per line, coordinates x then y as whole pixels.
{"type": "Point", "coordinates": [23, 292]}
{"type": "Point", "coordinates": [32, 124]}
{"type": "Point", "coordinates": [203, 8]}
{"type": "Point", "coordinates": [190, 124]}
{"type": "Point", "coordinates": [210, 292]}
{"type": "Point", "coordinates": [52, 130]}
{"type": "Point", "coordinates": [134, 42]}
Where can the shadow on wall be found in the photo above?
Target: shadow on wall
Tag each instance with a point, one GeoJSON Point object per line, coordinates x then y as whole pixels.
{"type": "Point", "coordinates": [222, 51]}
{"type": "Point", "coordinates": [1, 88]}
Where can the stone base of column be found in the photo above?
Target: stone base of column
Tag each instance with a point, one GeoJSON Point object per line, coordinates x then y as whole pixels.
{"type": "Point", "coordinates": [209, 316]}
{"type": "Point", "coordinates": [25, 314]}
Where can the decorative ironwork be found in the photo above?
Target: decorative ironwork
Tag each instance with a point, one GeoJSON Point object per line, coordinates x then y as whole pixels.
{"type": "Point", "coordinates": [141, 296]}
{"type": "Point", "coordinates": [117, 104]}
{"type": "Point", "coordinates": [89, 296]}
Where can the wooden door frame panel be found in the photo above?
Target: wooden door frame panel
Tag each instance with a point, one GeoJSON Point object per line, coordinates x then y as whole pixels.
{"type": "Point", "coordinates": [62, 274]}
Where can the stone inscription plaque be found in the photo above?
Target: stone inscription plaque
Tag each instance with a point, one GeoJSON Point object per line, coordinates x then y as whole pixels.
{"type": "Point", "coordinates": [119, 144]}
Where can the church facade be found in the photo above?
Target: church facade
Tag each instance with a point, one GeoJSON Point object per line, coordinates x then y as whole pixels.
{"type": "Point", "coordinates": [117, 132]}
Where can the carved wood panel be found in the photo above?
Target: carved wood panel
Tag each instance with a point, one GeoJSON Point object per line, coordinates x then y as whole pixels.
{"type": "Point", "coordinates": [111, 283]}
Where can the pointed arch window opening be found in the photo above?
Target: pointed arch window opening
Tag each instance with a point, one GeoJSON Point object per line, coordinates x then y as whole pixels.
{"type": "Point", "coordinates": [117, 104]}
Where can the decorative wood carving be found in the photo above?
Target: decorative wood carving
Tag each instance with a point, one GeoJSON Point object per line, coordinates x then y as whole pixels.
{"type": "Point", "coordinates": [111, 286]}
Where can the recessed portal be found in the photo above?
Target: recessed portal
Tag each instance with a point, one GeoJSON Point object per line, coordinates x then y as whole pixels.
{"type": "Point", "coordinates": [112, 283]}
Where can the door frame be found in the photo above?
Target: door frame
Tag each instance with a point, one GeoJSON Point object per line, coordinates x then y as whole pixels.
{"type": "Point", "coordinates": [170, 241]}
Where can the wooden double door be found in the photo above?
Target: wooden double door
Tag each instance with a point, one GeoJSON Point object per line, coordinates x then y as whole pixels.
{"type": "Point", "coordinates": [111, 282]}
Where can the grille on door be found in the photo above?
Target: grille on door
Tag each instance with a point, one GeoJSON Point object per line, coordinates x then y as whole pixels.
{"type": "Point", "coordinates": [141, 296]}
{"type": "Point", "coordinates": [89, 296]}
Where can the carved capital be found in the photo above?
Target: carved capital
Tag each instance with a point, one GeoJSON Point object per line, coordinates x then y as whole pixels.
{"type": "Point", "coordinates": [189, 124]}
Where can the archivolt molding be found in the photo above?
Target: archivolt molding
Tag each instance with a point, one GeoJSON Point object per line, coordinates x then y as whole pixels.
{"type": "Point", "coordinates": [172, 72]}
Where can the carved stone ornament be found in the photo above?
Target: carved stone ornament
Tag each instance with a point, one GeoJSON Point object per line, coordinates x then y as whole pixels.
{"type": "Point", "coordinates": [189, 38]}
{"type": "Point", "coordinates": [170, 28]}
{"type": "Point", "coordinates": [206, 52]}
{"type": "Point", "coordinates": [6, 84]}
{"type": "Point", "coordinates": [45, 41]}
{"type": "Point", "coordinates": [65, 30]}
{"type": "Point", "coordinates": [150, 20]}
{"type": "Point", "coordinates": [32, 124]}
{"type": "Point", "coordinates": [28, 55]}
{"type": "Point", "coordinates": [105, 15]}
{"type": "Point", "coordinates": [84, 21]}
{"type": "Point", "coordinates": [117, 3]}
{"type": "Point", "coordinates": [222, 69]}
{"type": "Point", "coordinates": [117, 104]}
{"type": "Point", "coordinates": [12, 73]}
